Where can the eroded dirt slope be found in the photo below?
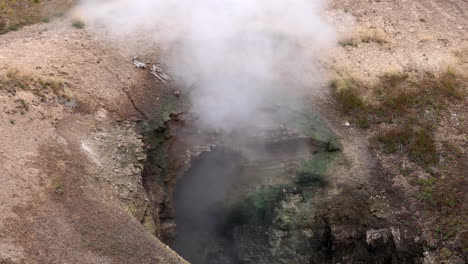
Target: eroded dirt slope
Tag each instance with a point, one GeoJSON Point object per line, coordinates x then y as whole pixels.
{"type": "Point", "coordinates": [71, 187]}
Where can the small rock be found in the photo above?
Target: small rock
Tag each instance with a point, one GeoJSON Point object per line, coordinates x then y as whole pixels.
{"type": "Point", "coordinates": [347, 124]}
{"type": "Point", "coordinates": [429, 257]}
{"type": "Point", "coordinates": [138, 63]}
{"type": "Point", "coordinates": [377, 238]}
{"type": "Point", "coordinates": [177, 93]}
{"type": "Point", "coordinates": [396, 237]}
{"type": "Point", "coordinates": [460, 27]}
{"type": "Point", "coordinates": [406, 165]}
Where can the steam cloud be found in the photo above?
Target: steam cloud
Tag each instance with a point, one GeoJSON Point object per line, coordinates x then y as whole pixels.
{"type": "Point", "coordinates": [235, 57]}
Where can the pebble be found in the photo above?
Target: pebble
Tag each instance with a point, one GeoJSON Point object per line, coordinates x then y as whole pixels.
{"type": "Point", "coordinates": [347, 124]}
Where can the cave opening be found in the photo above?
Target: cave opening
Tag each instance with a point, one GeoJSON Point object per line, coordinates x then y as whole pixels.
{"type": "Point", "coordinates": [229, 188]}
{"type": "Point", "coordinates": [199, 198]}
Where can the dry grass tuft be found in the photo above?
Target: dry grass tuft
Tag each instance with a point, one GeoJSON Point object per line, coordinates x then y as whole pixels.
{"type": "Point", "coordinates": [346, 90]}
{"type": "Point", "coordinates": [366, 35]}
{"type": "Point", "coordinates": [78, 23]}
{"type": "Point", "coordinates": [15, 80]}
{"type": "Point", "coordinates": [416, 140]}
{"type": "Point", "coordinates": [373, 35]}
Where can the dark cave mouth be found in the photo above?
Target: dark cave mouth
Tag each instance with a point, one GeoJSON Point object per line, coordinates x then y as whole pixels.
{"type": "Point", "coordinates": [199, 199]}
{"type": "Point", "coordinates": [227, 188]}
{"type": "Point", "coordinates": [272, 196]}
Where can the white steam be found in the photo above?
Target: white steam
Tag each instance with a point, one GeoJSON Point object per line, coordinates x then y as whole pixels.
{"type": "Point", "coordinates": [235, 57]}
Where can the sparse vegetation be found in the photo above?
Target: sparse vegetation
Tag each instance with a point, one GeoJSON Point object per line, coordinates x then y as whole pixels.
{"type": "Point", "coordinates": [373, 35]}
{"type": "Point", "coordinates": [20, 13]}
{"type": "Point", "coordinates": [77, 23]}
{"type": "Point", "coordinates": [351, 42]}
{"type": "Point", "coordinates": [417, 141]}
{"type": "Point", "coordinates": [22, 105]}
{"type": "Point", "coordinates": [411, 105]}
{"type": "Point", "coordinates": [400, 98]}
{"type": "Point", "coordinates": [346, 91]}
{"type": "Point", "coordinates": [58, 188]}
{"type": "Point", "coordinates": [14, 80]}
{"type": "Point", "coordinates": [405, 111]}
{"type": "Point", "coordinates": [427, 190]}
{"type": "Point", "coordinates": [367, 35]}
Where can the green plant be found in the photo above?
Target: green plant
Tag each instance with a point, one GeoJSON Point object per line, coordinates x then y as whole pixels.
{"type": "Point", "coordinates": [22, 104]}
{"type": "Point", "coordinates": [426, 195]}
{"type": "Point", "coordinates": [427, 182]}
{"type": "Point", "coordinates": [346, 91]}
{"type": "Point", "coordinates": [352, 42]}
{"type": "Point", "coordinates": [58, 187]}
{"type": "Point", "coordinates": [76, 23]}
{"type": "Point", "coordinates": [449, 200]}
